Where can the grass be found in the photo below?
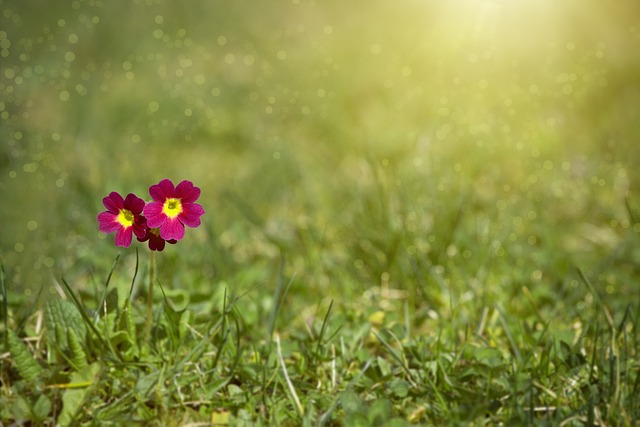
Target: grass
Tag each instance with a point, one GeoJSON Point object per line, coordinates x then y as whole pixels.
{"type": "Point", "coordinates": [89, 363]}
{"type": "Point", "coordinates": [416, 214]}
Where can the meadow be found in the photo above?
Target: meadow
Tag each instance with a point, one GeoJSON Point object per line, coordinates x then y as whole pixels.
{"type": "Point", "coordinates": [417, 213]}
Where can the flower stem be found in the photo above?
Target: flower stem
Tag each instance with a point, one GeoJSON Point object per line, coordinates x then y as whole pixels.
{"type": "Point", "coordinates": [152, 272]}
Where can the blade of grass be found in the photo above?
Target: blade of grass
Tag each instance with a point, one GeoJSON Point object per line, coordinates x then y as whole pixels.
{"type": "Point", "coordinates": [630, 212]}
{"type": "Point", "coordinates": [106, 286]}
{"type": "Point", "coordinates": [535, 345]}
{"type": "Point", "coordinates": [395, 355]}
{"type": "Point", "coordinates": [5, 303]}
{"type": "Point", "coordinates": [290, 386]}
{"type": "Point", "coordinates": [227, 310]}
{"type": "Point", "coordinates": [279, 296]}
{"type": "Point", "coordinates": [223, 320]}
{"type": "Point", "coordinates": [323, 327]}
{"type": "Point", "coordinates": [135, 274]}
{"type": "Point", "coordinates": [593, 368]}
{"type": "Point", "coordinates": [407, 320]}
{"type": "Point", "coordinates": [149, 320]}
{"type": "Point", "coordinates": [596, 296]}
{"type": "Point", "coordinates": [85, 316]}
{"type": "Point", "coordinates": [507, 331]}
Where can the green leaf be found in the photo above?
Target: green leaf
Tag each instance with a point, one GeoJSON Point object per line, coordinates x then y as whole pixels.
{"type": "Point", "coordinates": [60, 316]}
{"type": "Point", "coordinates": [399, 388]}
{"type": "Point", "coordinates": [385, 367]}
{"type": "Point", "coordinates": [78, 356]}
{"type": "Point", "coordinates": [145, 384]}
{"type": "Point", "coordinates": [112, 301]}
{"type": "Point", "coordinates": [42, 408]}
{"type": "Point", "coordinates": [188, 318]}
{"type": "Point", "coordinates": [125, 337]}
{"type": "Point", "coordinates": [487, 356]}
{"type": "Point", "coordinates": [179, 298]}
{"type": "Point", "coordinates": [28, 368]}
{"type": "Point", "coordinates": [379, 412]}
{"type": "Point", "coordinates": [351, 403]}
{"type": "Point", "coordinates": [122, 341]}
{"type": "Point", "coordinates": [75, 395]}
{"type": "Point", "coordinates": [21, 409]}
{"type": "Point", "coordinates": [234, 390]}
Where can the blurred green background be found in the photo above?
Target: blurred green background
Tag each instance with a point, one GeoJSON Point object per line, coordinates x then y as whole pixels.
{"type": "Point", "coordinates": [367, 141]}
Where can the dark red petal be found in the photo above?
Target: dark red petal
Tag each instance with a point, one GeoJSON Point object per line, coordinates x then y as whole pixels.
{"type": "Point", "coordinates": [156, 243]}
{"type": "Point", "coordinates": [134, 203]}
{"type": "Point", "coordinates": [147, 235]}
{"type": "Point", "coordinates": [140, 221]}
{"type": "Point", "coordinates": [140, 230]}
{"type": "Point", "coordinates": [187, 192]}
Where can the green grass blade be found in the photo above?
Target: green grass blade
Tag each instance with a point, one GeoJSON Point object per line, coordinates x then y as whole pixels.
{"type": "Point", "coordinates": [135, 274]}
{"type": "Point", "coordinates": [394, 354]}
{"type": "Point", "coordinates": [87, 320]}
{"type": "Point", "coordinates": [3, 292]}
{"type": "Point", "coordinates": [278, 297]}
{"type": "Point", "coordinates": [323, 327]}
{"type": "Point", "coordinates": [106, 286]}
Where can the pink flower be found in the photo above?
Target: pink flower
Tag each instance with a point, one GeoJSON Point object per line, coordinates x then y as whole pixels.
{"type": "Point", "coordinates": [156, 243]}
{"type": "Point", "coordinates": [173, 208]}
{"type": "Point", "coordinates": [124, 217]}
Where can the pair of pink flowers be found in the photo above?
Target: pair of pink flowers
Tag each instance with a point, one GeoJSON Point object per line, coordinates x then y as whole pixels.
{"type": "Point", "coordinates": [157, 222]}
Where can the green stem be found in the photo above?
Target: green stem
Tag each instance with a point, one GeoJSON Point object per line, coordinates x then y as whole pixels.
{"type": "Point", "coordinates": [152, 272]}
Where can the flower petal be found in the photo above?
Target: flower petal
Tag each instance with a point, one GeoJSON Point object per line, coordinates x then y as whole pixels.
{"type": "Point", "coordinates": [113, 202]}
{"type": "Point", "coordinates": [187, 192]}
{"type": "Point", "coordinates": [140, 229]}
{"type": "Point", "coordinates": [153, 212]}
{"type": "Point", "coordinates": [123, 237]}
{"type": "Point", "coordinates": [134, 203]}
{"type": "Point", "coordinates": [191, 214]}
{"type": "Point", "coordinates": [107, 222]}
{"type": "Point", "coordinates": [162, 190]}
{"type": "Point", "coordinates": [156, 244]}
{"type": "Point", "coordinates": [172, 229]}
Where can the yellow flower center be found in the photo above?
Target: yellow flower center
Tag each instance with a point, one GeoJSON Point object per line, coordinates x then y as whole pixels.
{"type": "Point", "coordinates": [125, 217]}
{"type": "Point", "coordinates": [172, 208]}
